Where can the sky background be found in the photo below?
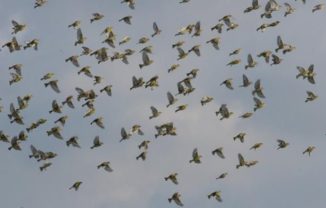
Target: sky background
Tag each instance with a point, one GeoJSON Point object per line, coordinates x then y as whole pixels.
{"type": "Point", "coordinates": [282, 178]}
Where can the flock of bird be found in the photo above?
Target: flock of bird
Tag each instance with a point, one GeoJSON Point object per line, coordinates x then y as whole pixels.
{"type": "Point", "coordinates": [87, 98]}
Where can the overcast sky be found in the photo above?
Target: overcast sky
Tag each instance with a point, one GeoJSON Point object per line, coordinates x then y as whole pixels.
{"type": "Point", "coordinates": [282, 178]}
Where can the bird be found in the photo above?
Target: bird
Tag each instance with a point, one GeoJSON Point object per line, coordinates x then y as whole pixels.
{"type": "Point", "coordinates": [240, 136]}
{"type": "Point", "coordinates": [289, 9]}
{"type": "Point", "coordinates": [173, 67]}
{"type": "Point", "coordinates": [178, 44]}
{"type": "Point", "coordinates": [62, 120]}
{"type": "Point", "coordinates": [218, 27]}
{"type": "Point", "coordinates": [124, 134]}
{"type": "Point", "coordinates": [256, 146]}
{"type": "Point", "coordinates": [32, 44]}
{"type": "Point", "coordinates": [223, 175]}
{"type": "Point", "coordinates": [99, 122]}
{"type": "Point", "coordinates": [235, 52]}
{"type": "Point", "coordinates": [254, 6]}
{"type": "Point", "coordinates": [76, 185]}
{"type": "Point", "coordinates": [69, 102]}
{"type": "Point", "coordinates": [176, 198]}
{"type": "Point", "coordinates": [15, 144]}
{"type": "Point", "coordinates": [106, 166]}
{"type": "Point", "coordinates": [172, 177]}
{"type": "Point", "coordinates": [258, 103]}
{"type": "Point", "coordinates": [276, 60]}
{"type": "Point", "coordinates": [215, 42]}
{"type": "Point", "coordinates": [251, 62]}
{"type": "Point", "coordinates": [45, 166]}
{"type": "Point", "coordinates": [146, 60]}
{"type": "Point", "coordinates": [182, 53]}
{"type": "Point", "coordinates": [266, 55]}
{"type": "Point", "coordinates": [12, 45]}
{"type": "Point", "coordinates": [227, 83]}
{"type": "Point", "coordinates": [136, 129]}
{"type": "Point", "coordinates": [73, 60]}
{"type": "Point", "coordinates": [144, 144]}
{"type": "Point", "coordinates": [152, 82]}
{"type": "Point", "coordinates": [216, 195]}
{"type": "Point", "coordinates": [224, 112]}
{"type": "Point", "coordinates": [107, 89]}
{"type": "Point", "coordinates": [137, 82]}
{"type": "Point", "coordinates": [142, 156]}
{"type": "Point", "coordinates": [39, 3]}
{"type": "Point", "coordinates": [181, 107]}
{"type": "Point", "coordinates": [242, 162]}
{"type": "Point", "coordinates": [56, 108]}
{"type": "Point", "coordinates": [195, 157]}
{"type": "Point", "coordinates": [309, 150]}
{"type": "Point", "coordinates": [96, 142]}
{"type": "Point", "coordinates": [53, 84]}
{"type": "Point", "coordinates": [245, 81]}
{"type": "Point", "coordinates": [195, 49]}
{"type": "Point", "coordinates": [56, 132]}
{"type": "Point", "coordinates": [143, 40]}
{"type": "Point", "coordinates": [206, 99]}
{"type": "Point", "coordinates": [47, 76]}
{"type": "Point", "coordinates": [218, 152]}
{"type": "Point", "coordinates": [76, 24]}
{"type": "Point", "coordinates": [17, 27]}
{"type": "Point", "coordinates": [124, 40]}
{"type": "Point", "coordinates": [155, 113]}
{"type": "Point", "coordinates": [73, 141]}
{"type": "Point", "coordinates": [171, 99]}
{"type": "Point", "coordinates": [80, 37]}
{"type": "Point", "coordinates": [156, 29]}
{"type": "Point", "coordinates": [96, 17]}
{"type": "Point", "coordinates": [17, 68]}
{"type": "Point", "coordinates": [311, 96]}
{"type": "Point", "coordinates": [258, 89]}
{"type": "Point", "coordinates": [246, 115]}
{"type": "Point", "coordinates": [282, 144]}
{"type": "Point", "coordinates": [126, 19]}
{"type": "Point", "coordinates": [318, 7]}
{"type": "Point", "coordinates": [234, 62]}
{"type": "Point", "coordinates": [130, 3]}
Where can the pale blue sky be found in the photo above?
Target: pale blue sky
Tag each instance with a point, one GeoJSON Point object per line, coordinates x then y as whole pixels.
{"type": "Point", "coordinates": [282, 178]}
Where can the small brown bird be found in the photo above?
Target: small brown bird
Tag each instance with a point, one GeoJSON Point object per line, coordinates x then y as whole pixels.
{"type": "Point", "coordinates": [156, 29]}
{"type": "Point", "coordinates": [176, 198]}
{"type": "Point", "coordinates": [126, 19]}
{"type": "Point", "coordinates": [223, 175]}
{"type": "Point", "coordinates": [62, 120]}
{"type": "Point", "coordinates": [309, 150]}
{"type": "Point", "coordinates": [73, 141]}
{"type": "Point", "coordinates": [17, 27]}
{"type": "Point", "coordinates": [216, 195]}
{"type": "Point", "coordinates": [155, 112]}
{"type": "Point", "coordinates": [76, 185]}
{"type": "Point", "coordinates": [96, 17]}
{"type": "Point", "coordinates": [282, 144]}
{"type": "Point", "coordinates": [311, 96]}
{"type": "Point", "coordinates": [142, 155]}
{"type": "Point", "coordinates": [195, 157]}
{"type": "Point", "coordinates": [99, 122]}
{"type": "Point", "coordinates": [76, 24]}
{"type": "Point", "coordinates": [218, 152]}
{"type": "Point", "coordinates": [96, 142]}
{"type": "Point", "coordinates": [256, 146]}
{"type": "Point", "coordinates": [227, 83]}
{"type": "Point", "coordinates": [172, 177]}
{"type": "Point", "coordinates": [45, 166]}
{"type": "Point", "coordinates": [105, 166]}
{"type": "Point", "coordinates": [240, 136]}
{"type": "Point", "coordinates": [144, 144]}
